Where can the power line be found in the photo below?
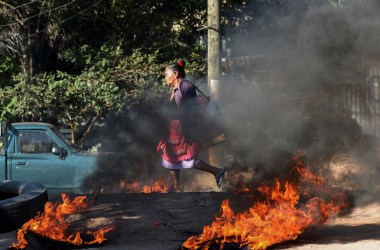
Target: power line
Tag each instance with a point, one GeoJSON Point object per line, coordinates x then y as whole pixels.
{"type": "Point", "coordinates": [64, 20]}
{"type": "Point", "coordinates": [22, 5]}
{"type": "Point", "coordinates": [41, 13]}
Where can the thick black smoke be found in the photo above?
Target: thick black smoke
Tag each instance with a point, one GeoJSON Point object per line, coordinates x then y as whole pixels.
{"type": "Point", "coordinates": [299, 86]}
{"type": "Point", "coordinates": [285, 92]}
{"type": "Point", "coordinates": [128, 149]}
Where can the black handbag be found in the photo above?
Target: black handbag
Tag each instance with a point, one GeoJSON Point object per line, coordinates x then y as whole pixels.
{"type": "Point", "coordinates": [208, 126]}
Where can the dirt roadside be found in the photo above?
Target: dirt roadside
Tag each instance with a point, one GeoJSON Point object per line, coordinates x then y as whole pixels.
{"type": "Point", "coordinates": [163, 221]}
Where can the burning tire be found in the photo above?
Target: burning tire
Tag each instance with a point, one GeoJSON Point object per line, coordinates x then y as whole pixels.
{"type": "Point", "coordinates": [19, 202]}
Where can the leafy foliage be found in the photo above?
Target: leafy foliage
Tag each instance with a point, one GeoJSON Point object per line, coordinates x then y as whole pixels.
{"type": "Point", "coordinates": [74, 62]}
{"type": "Point", "coordinates": [7, 69]}
{"type": "Point", "coordinates": [109, 81]}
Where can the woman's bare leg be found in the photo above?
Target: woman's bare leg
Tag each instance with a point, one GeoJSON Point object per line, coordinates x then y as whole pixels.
{"type": "Point", "coordinates": [174, 174]}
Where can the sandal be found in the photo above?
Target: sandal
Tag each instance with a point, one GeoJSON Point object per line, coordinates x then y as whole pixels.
{"type": "Point", "coordinates": [220, 177]}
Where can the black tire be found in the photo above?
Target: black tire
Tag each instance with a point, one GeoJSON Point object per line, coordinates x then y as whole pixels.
{"type": "Point", "coordinates": [20, 202]}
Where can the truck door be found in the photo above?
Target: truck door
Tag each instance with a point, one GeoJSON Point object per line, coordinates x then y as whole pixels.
{"type": "Point", "coordinates": [33, 160]}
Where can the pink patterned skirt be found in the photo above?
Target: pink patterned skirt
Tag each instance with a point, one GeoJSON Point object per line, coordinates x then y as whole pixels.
{"type": "Point", "coordinates": [175, 148]}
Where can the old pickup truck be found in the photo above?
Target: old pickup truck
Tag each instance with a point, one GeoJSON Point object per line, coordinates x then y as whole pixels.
{"type": "Point", "coordinates": [38, 152]}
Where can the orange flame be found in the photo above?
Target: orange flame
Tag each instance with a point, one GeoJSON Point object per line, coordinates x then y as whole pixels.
{"type": "Point", "coordinates": [159, 186]}
{"type": "Point", "coordinates": [276, 219]}
{"type": "Point", "coordinates": [51, 224]}
{"type": "Point", "coordinates": [241, 188]}
{"type": "Point", "coordinates": [133, 187]}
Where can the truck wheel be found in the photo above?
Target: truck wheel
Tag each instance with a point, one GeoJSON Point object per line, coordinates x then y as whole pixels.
{"type": "Point", "coordinates": [19, 202]}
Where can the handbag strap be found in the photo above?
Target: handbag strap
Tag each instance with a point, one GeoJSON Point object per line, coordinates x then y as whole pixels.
{"type": "Point", "coordinates": [200, 91]}
{"type": "Point", "coordinates": [207, 97]}
{"type": "Point", "coordinates": [197, 88]}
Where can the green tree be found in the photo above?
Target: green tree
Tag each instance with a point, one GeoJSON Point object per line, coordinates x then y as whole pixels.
{"type": "Point", "coordinates": [109, 81]}
{"type": "Point", "coordinates": [80, 60]}
{"type": "Point", "coordinates": [33, 32]}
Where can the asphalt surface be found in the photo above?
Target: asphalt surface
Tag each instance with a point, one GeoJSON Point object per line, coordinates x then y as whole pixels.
{"type": "Point", "coordinates": [163, 221]}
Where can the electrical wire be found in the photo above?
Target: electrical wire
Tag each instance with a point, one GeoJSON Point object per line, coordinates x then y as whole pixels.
{"type": "Point", "coordinates": [22, 5]}
{"type": "Point", "coordinates": [41, 13]}
{"type": "Point", "coordinates": [64, 20]}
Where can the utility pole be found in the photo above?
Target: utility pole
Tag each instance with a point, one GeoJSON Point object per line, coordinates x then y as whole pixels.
{"type": "Point", "coordinates": [213, 42]}
{"type": "Point", "coordinates": [213, 63]}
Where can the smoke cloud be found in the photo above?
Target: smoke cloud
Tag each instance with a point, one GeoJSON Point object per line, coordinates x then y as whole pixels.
{"type": "Point", "coordinates": [297, 82]}
{"type": "Point", "coordinates": [304, 85]}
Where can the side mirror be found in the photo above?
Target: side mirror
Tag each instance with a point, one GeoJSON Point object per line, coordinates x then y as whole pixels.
{"type": "Point", "coordinates": [59, 151]}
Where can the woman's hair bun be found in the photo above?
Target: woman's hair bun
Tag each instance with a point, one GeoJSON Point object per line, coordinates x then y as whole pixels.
{"type": "Point", "coordinates": [181, 63]}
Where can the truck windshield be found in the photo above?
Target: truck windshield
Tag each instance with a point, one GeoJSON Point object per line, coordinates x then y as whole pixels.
{"type": "Point", "coordinates": [65, 140]}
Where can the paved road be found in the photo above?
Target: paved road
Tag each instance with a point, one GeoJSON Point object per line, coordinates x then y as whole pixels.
{"type": "Point", "coordinates": [164, 221]}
